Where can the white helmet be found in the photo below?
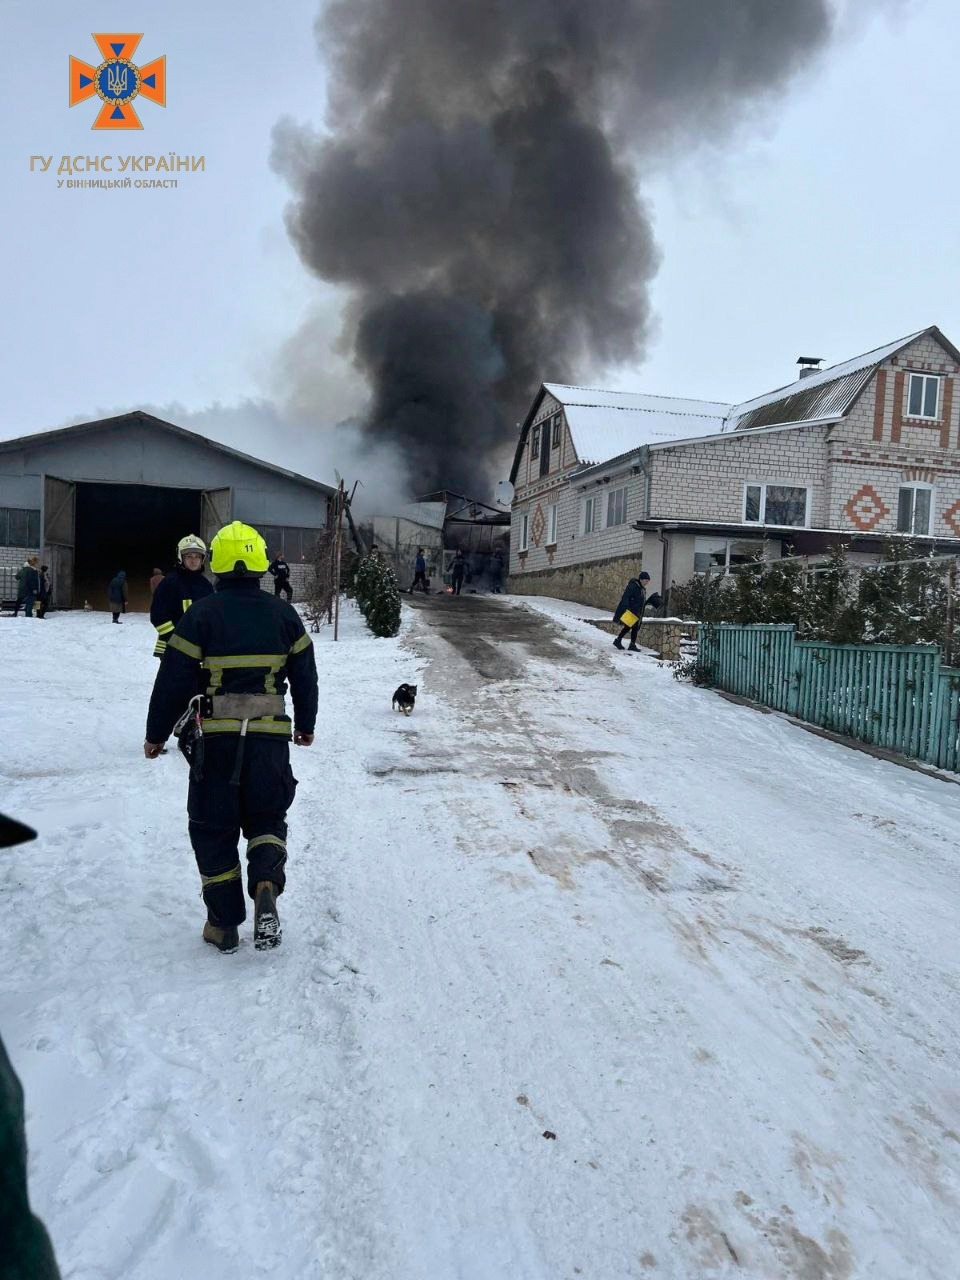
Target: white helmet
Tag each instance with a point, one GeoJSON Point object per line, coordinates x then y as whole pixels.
{"type": "Point", "coordinates": [191, 543]}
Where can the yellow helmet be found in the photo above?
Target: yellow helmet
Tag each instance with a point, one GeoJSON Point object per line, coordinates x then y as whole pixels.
{"type": "Point", "coordinates": [238, 548]}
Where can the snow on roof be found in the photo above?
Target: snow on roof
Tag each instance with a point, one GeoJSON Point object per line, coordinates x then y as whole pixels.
{"type": "Point", "coordinates": [606, 424]}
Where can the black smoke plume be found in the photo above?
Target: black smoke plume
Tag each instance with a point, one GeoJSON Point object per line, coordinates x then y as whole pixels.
{"type": "Point", "coordinates": [477, 191]}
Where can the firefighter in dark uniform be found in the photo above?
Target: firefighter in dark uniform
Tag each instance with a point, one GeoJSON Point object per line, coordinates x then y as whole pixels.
{"type": "Point", "coordinates": [174, 595]}
{"type": "Point", "coordinates": [227, 664]}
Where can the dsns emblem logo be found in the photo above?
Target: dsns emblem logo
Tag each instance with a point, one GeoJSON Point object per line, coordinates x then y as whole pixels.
{"type": "Point", "coordinates": [116, 81]}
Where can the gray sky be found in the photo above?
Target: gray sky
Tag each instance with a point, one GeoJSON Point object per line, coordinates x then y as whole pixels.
{"type": "Point", "coordinates": [825, 226]}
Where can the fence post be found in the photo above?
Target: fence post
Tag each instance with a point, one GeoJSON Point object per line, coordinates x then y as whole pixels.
{"type": "Point", "coordinates": [951, 604]}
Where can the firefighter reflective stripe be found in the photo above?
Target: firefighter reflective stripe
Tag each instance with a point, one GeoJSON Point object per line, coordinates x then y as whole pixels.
{"type": "Point", "coordinates": [217, 665]}
{"type": "Point", "coordinates": [186, 605]}
{"type": "Point", "coordinates": [252, 844]}
{"type": "Point", "coordinates": [164, 628]}
{"type": "Point", "coordinates": [160, 648]}
{"type": "Point", "coordinates": [274, 660]}
{"type": "Point", "coordinates": [298, 646]}
{"type": "Point", "coordinates": [222, 878]}
{"type": "Point", "coordinates": [263, 725]}
{"type": "Point", "coordinates": [185, 646]}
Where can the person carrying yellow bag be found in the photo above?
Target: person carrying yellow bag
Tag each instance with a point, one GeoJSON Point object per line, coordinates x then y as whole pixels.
{"type": "Point", "coordinates": [630, 610]}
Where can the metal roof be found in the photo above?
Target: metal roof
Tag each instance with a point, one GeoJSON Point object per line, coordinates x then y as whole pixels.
{"type": "Point", "coordinates": [605, 424]}
{"type": "Point", "coordinates": [136, 417]}
{"type": "Point", "coordinates": [826, 393]}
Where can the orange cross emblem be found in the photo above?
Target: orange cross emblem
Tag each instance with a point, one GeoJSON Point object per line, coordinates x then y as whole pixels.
{"type": "Point", "coordinates": [117, 81]}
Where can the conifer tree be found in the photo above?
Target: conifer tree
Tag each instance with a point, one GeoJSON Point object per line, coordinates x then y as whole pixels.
{"type": "Point", "coordinates": [382, 601]}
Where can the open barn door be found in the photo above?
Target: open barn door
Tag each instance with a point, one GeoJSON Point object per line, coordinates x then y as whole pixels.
{"type": "Point", "coordinates": [58, 539]}
{"type": "Point", "coordinates": [216, 506]}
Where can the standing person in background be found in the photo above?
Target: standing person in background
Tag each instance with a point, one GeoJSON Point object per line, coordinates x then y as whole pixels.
{"type": "Point", "coordinates": [155, 579]}
{"type": "Point", "coordinates": [28, 586]}
{"type": "Point", "coordinates": [177, 591]}
{"type": "Point", "coordinates": [419, 573]}
{"type": "Point", "coordinates": [46, 591]}
{"type": "Point", "coordinates": [280, 572]}
{"type": "Point", "coordinates": [457, 570]}
{"type": "Point", "coordinates": [496, 572]}
{"type": "Point", "coordinates": [117, 594]}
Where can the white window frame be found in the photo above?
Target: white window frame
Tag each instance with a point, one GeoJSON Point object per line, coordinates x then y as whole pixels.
{"type": "Point", "coordinates": [591, 504]}
{"type": "Point", "coordinates": [536, 436]}
{"type": "Point", "coordinates": [556, 431]}
{"type": "Point", "coordinates": [612, 495]}
{"type": "Point", "coordinates": [724, 568]}
{"type": "Point", "coordinates": [524, 542]}
{"type": "Point", "coordinates": [763, 486]}
{"type": "Point", "coordinates": [926, 377]}
{"type": "Point", "coordinates": [552, 522]}
{"type": "Point", "coordinates": [915, 485]}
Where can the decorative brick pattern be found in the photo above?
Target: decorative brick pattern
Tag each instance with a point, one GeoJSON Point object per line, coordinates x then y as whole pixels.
{"type": "Point", "coordinates": [951, 517]}
{"type": "Point", "coordinates": [537, 525]}
{"type": "Point", "coordinates": [880, 393]}
{"type": "Point", "coordinates": [866, 508]}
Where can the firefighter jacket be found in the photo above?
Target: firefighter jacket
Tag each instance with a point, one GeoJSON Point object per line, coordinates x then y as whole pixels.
{"type": "Point", "coordinates": [171, 600]}
{"type": "Point", "coordinates": [237, 644]}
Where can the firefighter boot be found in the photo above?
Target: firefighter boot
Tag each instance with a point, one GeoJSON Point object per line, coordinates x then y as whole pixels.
{"type": "Point", "coordinates": [224, 937]}
{"type": "Point", "coordinates": [266, 921]}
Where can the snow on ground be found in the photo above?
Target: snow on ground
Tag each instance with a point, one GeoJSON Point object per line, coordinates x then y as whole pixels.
{"type": "Point", "coordinates": [584, 973]}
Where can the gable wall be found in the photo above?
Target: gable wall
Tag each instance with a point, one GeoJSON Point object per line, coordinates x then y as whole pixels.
{"type": "Point", "coordinates": [878, 447]}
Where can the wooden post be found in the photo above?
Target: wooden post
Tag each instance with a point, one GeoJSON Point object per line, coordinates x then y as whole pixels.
{"type": "Point", "coordinates": [336, 562]}
{"type": "Point", "coordinates": [951, 609]}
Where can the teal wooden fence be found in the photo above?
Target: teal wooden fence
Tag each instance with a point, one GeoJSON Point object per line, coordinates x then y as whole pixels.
{"type": "Point", "coordinates": [900, 697]}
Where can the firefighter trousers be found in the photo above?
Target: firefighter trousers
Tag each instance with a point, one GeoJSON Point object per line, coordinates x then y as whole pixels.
{"type": "Point", "coordinates": [220, 810]}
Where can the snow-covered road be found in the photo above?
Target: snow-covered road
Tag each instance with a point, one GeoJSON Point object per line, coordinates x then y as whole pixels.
{"type": "Point", "coordinates": [585, 973]}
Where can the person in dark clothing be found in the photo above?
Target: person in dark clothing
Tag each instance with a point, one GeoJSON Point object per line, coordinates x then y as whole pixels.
{"type": "Point", "coordinates": [155, 579]}
{"type": "Point", "coordinates": [227, 663]}
{"type": "Point", "coordinates": [177, 591]}
{"type": "Point", "coordinates": [496, 573]}
{"type": "Point", "coordinates": [28, 586]}
{"type": "Point", "coordinates": [632, 602]}
{"type": "Point", "coordinates": [26, 1252]}
{"type": "Point", "coordinates": [457, 570]}
{"type": "Point", "coordinates": [280, 571]}
{"type": "Point", "coordinates": [419, 573]}
{"type": "Point", "coordinates": [46, 592]}
{"type": "Point", "coordinates": [117, 595]}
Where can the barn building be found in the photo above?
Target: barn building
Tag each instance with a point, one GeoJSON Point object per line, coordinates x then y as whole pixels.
{"type": "Point", "coordinates": [120, 493]}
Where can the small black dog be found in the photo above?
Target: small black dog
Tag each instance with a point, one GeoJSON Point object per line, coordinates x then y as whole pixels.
{"type": "Point", "coordinates": [404, 698]}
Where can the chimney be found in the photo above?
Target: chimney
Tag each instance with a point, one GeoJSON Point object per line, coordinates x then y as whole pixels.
{"type": "Point", "coordinates": [809, 365]}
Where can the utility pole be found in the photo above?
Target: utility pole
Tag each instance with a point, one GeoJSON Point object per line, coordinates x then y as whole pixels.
{"type": "Point", "coordinates": [338, 541]}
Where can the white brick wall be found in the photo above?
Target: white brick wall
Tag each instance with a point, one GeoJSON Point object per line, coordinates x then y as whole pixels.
{"type": "Point", "coordinates": [706, 481]}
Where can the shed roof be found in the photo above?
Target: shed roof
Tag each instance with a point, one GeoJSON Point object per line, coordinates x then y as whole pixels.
{"type": "Point", "coordinates": [136, 418]}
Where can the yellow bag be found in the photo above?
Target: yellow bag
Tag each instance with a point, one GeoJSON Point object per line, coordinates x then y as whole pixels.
{"type": "Point", "coordinates": [628, 618]}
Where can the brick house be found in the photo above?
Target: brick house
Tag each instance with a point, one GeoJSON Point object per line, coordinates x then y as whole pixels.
{"type": "Point", "coordinates": [865, 449]}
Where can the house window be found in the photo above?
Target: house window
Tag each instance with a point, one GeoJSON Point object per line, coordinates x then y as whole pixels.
{"type": "Point", "coordinates": [721, 553]}
{"type": "Point", "coordinates": [913, 508]}
{"type": "Point", "coordinates": [19, 527]}
{"type": "Point", "coordinates": [535, 442]}
{"type": "Point", "coordinates": [923, 397]}
{"type": "Point", "coordinates": [294, 544]}
{"type": "Point", "coordinates": [524, 532]}
{"type": "Point", "coordinates": [557, 422]}
{"type": "Point", "coordinates": [782, 504]}
{"type": "Point", "coordinates": [552, 525]}
{"type": "Point", "coordinates": [616, 507]}
{"type": "Point", "coordinates": [591, 514]}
